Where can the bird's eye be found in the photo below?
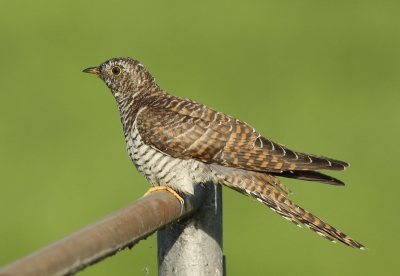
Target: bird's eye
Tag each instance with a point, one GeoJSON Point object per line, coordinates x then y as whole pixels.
{"type": "Point", "coordinates": [116, 70]}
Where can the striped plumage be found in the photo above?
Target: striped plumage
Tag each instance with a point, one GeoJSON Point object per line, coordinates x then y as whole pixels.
{"type": "Point", "coordinates": [178, 142]}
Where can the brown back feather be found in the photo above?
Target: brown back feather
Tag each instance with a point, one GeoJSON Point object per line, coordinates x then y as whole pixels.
{"type": "Point", "coordinates": [186, 129]}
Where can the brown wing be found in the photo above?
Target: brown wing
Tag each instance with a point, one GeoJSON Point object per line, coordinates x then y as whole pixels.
{"type": "Point", "coordinates": [186, 129]}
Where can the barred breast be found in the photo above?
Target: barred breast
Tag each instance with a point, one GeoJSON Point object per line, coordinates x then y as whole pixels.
{"type": "Point", "coordinates": [162, 170]}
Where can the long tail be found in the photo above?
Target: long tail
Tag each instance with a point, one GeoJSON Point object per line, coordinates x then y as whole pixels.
{"type": "Point", "coordinates": [279, 203]}
{"type": "Point", "coordinates": [269, 190]}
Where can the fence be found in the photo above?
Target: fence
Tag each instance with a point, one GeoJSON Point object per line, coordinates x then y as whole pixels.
{"type": "Point", "coordinates": [191, 247]}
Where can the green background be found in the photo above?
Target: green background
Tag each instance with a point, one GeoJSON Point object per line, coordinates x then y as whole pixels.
{"type": "Point", "coordinates": [320, 77]}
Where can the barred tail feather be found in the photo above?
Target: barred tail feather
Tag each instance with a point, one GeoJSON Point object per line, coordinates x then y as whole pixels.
{"type": "Point", "coordinates": [279, 203]}
{"type": "Point", "coordinates": [267, 189]}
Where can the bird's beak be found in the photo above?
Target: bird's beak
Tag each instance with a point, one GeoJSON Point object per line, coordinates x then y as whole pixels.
{"type": "Point", "coordinates": [92, 70]}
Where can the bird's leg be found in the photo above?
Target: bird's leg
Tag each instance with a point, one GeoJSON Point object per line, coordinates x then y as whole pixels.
{"type": "Point", "coordinates": [169, 189]}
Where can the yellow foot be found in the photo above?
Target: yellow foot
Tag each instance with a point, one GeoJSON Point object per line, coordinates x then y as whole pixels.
{"type": "Point", "coordinates": [168, 189]}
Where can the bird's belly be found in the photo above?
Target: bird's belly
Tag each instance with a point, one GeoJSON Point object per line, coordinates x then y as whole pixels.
{"type": "Point", "coordinates": [161, 169]}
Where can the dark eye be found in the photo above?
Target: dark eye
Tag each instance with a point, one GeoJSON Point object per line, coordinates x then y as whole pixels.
{"type": "Point", "coordinates": [116, 70]}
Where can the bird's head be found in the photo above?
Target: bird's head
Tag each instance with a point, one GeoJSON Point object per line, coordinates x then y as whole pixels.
{"type": "Point", "coordinates": [124, 76]}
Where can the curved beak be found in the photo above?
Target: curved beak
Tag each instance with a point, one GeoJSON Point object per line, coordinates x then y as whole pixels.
{"type": "Point", "coordinates": [92, 70]}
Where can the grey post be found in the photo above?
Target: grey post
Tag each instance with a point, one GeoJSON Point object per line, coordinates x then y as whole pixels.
{"type": "Point", "coordinates": [193, 246]}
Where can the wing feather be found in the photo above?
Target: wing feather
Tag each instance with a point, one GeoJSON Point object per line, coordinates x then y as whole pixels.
{"type": "Point", "coordinates": [192, 130]}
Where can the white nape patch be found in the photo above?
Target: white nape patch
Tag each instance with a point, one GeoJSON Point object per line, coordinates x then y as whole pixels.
{"type": "Point", "coordinates": [309, 158]}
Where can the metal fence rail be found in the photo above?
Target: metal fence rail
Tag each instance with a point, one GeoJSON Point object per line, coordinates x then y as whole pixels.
{"type": "Point", "coordinates": [124, 228]}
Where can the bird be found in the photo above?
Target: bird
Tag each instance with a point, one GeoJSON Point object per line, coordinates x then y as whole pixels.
{"type": "Point", "coordinates": [177, 142]}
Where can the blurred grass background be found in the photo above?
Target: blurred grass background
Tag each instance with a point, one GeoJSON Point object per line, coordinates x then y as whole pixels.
{"type": "Point", "coordinates": [320, 77]}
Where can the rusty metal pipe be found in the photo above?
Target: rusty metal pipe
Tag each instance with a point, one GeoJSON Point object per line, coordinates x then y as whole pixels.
{"type": "Point", "coordinates": [105, 237]}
